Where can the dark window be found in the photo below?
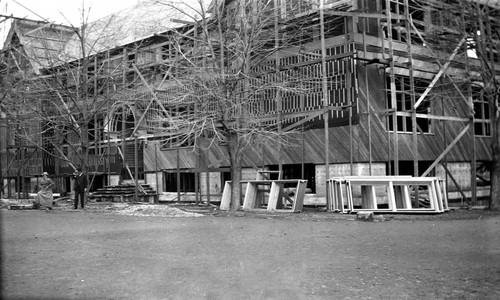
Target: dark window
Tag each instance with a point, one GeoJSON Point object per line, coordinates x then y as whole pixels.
{"type": "Point", "coordinates": [297, 171]}
{"type": "Point", "coordinates": [482, 125]}
{"type": "Point", "coordinates": [225, 176]}
{"type": "Point", "coordinates": [403, 104]}
{"type": "Point", "coordinates": [186, 182]}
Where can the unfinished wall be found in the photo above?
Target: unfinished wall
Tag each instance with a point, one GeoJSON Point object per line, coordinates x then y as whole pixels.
{"type": "Point", "coordinates": [216, 186]}
{"type": "Point", "coordinates": [337, 170]}
{"type": "Point", "coordinates": [114, 179]}
{"type": "Point", "coordinates": [461, 172]}
{"type": "Point", "coordinates": [155, 180]}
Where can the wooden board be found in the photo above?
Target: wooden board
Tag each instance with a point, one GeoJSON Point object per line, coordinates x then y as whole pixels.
{"type": "Point", "coordinates": [397, 193]}
{"type": "Point", "coordinates": [225, 203]}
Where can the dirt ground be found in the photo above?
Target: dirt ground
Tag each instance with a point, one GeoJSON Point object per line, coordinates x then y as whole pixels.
{"type": "Point", "coordinates": [120, 251]}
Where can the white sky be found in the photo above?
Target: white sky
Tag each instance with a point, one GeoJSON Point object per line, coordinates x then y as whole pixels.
{"type": "Point", "coordinates": [58, 10]}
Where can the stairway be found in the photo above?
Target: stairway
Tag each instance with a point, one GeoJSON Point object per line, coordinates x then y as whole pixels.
{"type": "Point", "coordinates": [124, 193]}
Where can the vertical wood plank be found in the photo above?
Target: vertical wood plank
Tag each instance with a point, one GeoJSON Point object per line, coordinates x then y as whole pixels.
{"type": "Point", "coordinates": [445, 195]}
{"type": "Point", "coordinates": [368, 197]}
{"type": "Point", "coordinates": [399, 196]}
{"type": "Point", "coordinates": [338, 195]}
{"type": "Point", "coordinates": [432, 198]}
{"type": "Point", "coordinates": [439, 195]}
{"type": "Point", "coordinates": [273, 196]}
{"type": "Point", "coordinates": [226, 196]}
{"type": "Point", "coordinates": [391, 197]}
{"type": "Point", "coordinates": [299, 196]}
{"type": "Point", "coordinates": [406, 196]}
{"type": "Point", "coordinates": [329, 190]}
{"type": "Point", "coordinates": [250, 196]}
{"type": "Point", "coordinates": [348, 192]}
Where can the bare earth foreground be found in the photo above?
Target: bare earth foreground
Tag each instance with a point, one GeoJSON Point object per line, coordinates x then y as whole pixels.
{"type": "Point", "coordinates": [112, 251]}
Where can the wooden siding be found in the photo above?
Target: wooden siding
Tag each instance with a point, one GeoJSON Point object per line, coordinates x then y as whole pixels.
{"type": "Point", "coordinates": [430, 145]}
{"type": "Point", "coordinates": [309, 147]}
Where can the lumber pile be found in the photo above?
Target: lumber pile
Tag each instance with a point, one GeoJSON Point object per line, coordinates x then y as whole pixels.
{"type": "Point", "coordinates": [123, 193]}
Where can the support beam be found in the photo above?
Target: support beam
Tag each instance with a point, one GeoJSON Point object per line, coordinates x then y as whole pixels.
{"type": "Point", "coordinates": [434, 117]}
{"type": "Point", "coordinates": [412, 93]}
{"type": "Point", "coordinates": [324, 88]}
{"type": "Point", "coordinates": [395, 141]}
{"type": "Point", "coordinates": [453, 179]}
{"type": "Point", "coordinates": [38, 29]}
{"type": "Point", "coordinates": [340, 13]}
{"type": "Point", "coordinates": [155, 98]}
{"type": "Point", "coordinates": [437, 61]}
{"type": "Point", "coordinates": [310, 117]}
{"type": "Point", "coordinates": [128, 168]}
{"type": "Point", "coordinates": [182, 22]}
{"type": "Point", "coordinates": [440, 73]}
{"type": "Point", "coordinates": [442, 155]}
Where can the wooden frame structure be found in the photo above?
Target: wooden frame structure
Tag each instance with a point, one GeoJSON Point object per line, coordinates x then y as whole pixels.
{"type": "Point", "coordinates": [367, 58]}
{"type": "Point", "coordinates": [397, 190]}
{"type": "Point", "coordinates": [255, 197]}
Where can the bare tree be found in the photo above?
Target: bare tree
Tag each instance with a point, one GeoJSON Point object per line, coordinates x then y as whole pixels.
{"type": "Point", "coordinates": [225, 87]}
{"type": "Point", "coordinates": [483, 23]}
{"type": "Point", "coordinates": [58, 90]}
{"type": "Point", "coordinates": [470, 29]}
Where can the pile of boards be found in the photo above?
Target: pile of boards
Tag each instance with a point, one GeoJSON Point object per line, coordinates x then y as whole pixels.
{"type": "Point", "coordinates": [386, 194]}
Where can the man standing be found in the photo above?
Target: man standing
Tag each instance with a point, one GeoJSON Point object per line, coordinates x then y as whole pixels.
{"type": "Point", "coordinates": [80, 187]}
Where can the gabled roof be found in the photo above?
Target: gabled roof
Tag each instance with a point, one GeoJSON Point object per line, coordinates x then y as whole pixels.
{"type": "Point", "coordinates": [48, 45]}
{"type": "Point", "coordinates": [41, 42]}
{"type": "Point", "coordinates": [134, 24]}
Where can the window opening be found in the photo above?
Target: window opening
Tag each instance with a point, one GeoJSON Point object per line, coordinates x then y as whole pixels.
{"type": "Point", "coordinates": [404, 107]}
{"type": "Point", "coordinates": [482, 126]}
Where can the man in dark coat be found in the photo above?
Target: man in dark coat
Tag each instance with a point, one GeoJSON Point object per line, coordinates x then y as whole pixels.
{"type": "Point", "coordinates": [80, 187]}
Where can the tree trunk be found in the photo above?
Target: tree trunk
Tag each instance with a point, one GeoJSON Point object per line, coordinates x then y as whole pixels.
{"type": "Point", "coordinates": [493, 93]}
{"type": "Point", "coordinates": [495, 180]}
{"type": "Point", "coordinates": [235, 166]}
{"type": "Point", "coordinates": [495, 167]}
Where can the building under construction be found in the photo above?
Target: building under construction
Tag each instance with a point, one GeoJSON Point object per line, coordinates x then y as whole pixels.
{"type": "Point", "coordinates": [361, 87]}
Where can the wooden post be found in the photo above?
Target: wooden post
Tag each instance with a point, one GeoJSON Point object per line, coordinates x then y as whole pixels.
{"type": "Point", "coordinates": [278, 92]}
{"type": "Point", "coordinates": [124, 152]}
{"type": "Point", "coordinates": [197, 180]}
{"type": "Point", "coordinates": [370, 159]}
{"type": "Point", "coordinates": [156, 173]}
{"type": "Point", "coordinates": [108, 154]}
{"type": "Point", "coordinates": [178, 177]}
{"type": "Point", "coordinates": [348, 84]}
{"type": "Point", "coordinates": [473, 167]}
{"type": "Point", "coordinates": [18, 181]}
{"type": "Point", "coordinates": [325, 87]}
{"type": "Point", "coordinates": [208, 186]}
{"type": "Point", "coordinates": [393, 90]}
{"type": "Point", "coordinates": [412, 93]}
{"type": "Point", "coordinates": [197, 172]}
{"type": "Point", "coordinates": [302, 108]}
{"type": "Point", "coordinates": [136, 170]}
